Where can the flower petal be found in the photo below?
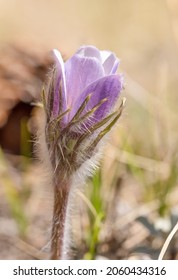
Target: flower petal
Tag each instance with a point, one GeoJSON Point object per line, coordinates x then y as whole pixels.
{"type": "Point", "coordinates": [89, 51]}
{"type": "Point", "coordinates": [80, 72]}
{"type": "Point", "coordinates": [107, 87]}
{"type": "Point", "coordinates": [108, 59]}
{"type": "Point", "coordinates": [60, 76]}
{"type": "Point", "coordinates": [110, 62]}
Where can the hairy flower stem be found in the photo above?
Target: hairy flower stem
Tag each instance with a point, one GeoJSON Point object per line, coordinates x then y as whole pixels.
{"type": "Point", "coordinates": [61, 195]}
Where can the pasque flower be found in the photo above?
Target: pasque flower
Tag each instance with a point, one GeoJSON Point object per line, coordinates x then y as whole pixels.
{"type": "Point", "coordinates": [79, 102]}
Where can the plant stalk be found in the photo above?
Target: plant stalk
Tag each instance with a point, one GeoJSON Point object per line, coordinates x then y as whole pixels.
{"type": "Point", "coordinates": [61, 194]}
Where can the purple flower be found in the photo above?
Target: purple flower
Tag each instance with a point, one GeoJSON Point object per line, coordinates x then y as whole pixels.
{"type": "Point", "coordinates": [79, 102]}
{"type": "Point", "coordinates": [88, 71]}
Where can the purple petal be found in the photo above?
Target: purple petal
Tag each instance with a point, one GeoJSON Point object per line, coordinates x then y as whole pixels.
{"type": "Point", "coordinates": [60, 76]}
{"type": "Point", "coordinates": [108, 87]}
{"type": "Point", "coordinates": [110, 62]}
{"type": "Point", "coordinates": [108, 59]}
{"type": "Point", "coordinates": [80, 72]}
{"type": "Point", "coordinates": [115, 66]}
{"type": "Point", "coordinates": [89, 51]}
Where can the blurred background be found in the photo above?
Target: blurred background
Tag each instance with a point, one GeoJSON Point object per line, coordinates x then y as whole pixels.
{"type": "Point", "coordinates": [128, 214]}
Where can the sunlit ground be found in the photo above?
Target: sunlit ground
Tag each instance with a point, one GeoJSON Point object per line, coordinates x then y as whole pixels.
{"type": "Point", "coordinates": [131, 204]}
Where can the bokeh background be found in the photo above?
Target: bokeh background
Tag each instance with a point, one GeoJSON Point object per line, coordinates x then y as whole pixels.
{"type": "Point", "coordinates": [129, 207]}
